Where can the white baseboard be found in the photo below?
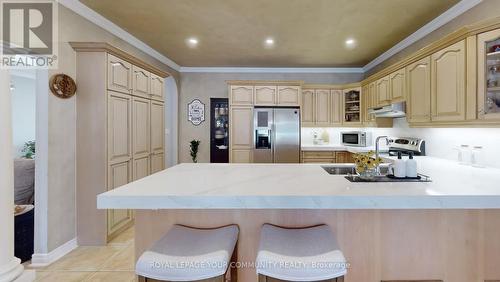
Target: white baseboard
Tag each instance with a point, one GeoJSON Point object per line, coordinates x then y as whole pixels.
{"type": "Point", "coordinates": [41, 260]}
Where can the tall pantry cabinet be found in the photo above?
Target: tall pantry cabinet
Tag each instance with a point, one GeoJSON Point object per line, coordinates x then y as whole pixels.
{"type": "Point", "coordinates": [120, 133]}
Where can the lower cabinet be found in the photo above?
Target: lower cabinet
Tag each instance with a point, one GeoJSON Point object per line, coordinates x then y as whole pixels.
{"type": "Point", "coordinates": [241, 156]}
{"type": "Point", "coordinates": [118, 174]}
{"type": "Point", "coordinates": [157, 162]}
{"type": "Point", "coordinates": [327, 157]}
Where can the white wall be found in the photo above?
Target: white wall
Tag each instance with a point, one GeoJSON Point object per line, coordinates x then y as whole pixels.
{"type": "Point", "coordinates": [171, 121]}
{"type": "Point", "coordinates": [440, 142]}
{"type": "Point", "coordinates": [23, 112]}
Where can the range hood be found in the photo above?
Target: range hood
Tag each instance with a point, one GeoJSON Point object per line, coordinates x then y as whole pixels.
{"type": "Point", "coordinates": [395, 110]}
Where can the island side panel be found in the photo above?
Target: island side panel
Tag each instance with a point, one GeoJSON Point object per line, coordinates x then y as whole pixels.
{"type": "Point", "coordinates": [451, 245]}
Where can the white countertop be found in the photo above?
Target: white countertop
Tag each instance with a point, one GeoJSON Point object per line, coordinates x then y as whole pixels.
{"type": "Point", "coordinates": [304, 186]}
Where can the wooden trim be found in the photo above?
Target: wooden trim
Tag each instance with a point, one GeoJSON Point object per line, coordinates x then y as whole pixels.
{"type": "Point", "coordinates": [411, 281]}
{"type": "Point", "coordinates": [332, 86]}
{"type": "Point", "coordinates": [454, 37]}
{"type": "Point", "coordinates": [266, 82]}
{"type": "Point", "coordinates": [105, 47]}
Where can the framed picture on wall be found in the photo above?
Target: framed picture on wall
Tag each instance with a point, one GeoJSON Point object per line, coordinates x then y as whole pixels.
{"type": "Point", "coordinates": [196, 112]}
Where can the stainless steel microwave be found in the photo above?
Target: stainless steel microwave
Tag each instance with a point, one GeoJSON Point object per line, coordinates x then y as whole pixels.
{"type": "Point", "coordinates": [355, 138]}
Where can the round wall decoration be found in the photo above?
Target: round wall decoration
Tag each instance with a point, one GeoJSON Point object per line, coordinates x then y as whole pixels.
{"type": "Point", "coordinates": [62, 86]}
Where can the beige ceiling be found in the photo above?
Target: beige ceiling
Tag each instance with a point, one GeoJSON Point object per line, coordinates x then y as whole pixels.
{"type": "Point", "coordinates": [308, 33]}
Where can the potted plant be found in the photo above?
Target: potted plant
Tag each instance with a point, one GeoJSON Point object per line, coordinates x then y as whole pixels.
{"type": "Point", "coordinates": [194, 145]}
{"type": "Point", "coordinates": [29, 150]}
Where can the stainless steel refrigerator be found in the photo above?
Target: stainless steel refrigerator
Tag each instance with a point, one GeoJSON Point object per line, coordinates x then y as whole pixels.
{"type": "Point", "coordinates": [276, 135]}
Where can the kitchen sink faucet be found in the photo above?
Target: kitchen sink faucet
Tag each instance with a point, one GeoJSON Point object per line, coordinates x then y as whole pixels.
{"type": "Point", "coordinates": [377, 149]}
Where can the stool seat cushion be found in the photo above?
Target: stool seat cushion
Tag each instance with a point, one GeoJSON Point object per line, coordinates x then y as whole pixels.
{"type": "Point", "coordinates": [187, 254]}
{"type": "Point", "coordinates": [308, 254]}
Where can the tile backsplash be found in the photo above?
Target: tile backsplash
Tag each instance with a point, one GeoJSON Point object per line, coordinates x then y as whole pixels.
{"type": "Point", "coordinates": [440, 142]}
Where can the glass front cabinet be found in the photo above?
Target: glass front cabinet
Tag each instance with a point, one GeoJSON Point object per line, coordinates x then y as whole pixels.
{"type": "Point", "coordinates": [489, 75]}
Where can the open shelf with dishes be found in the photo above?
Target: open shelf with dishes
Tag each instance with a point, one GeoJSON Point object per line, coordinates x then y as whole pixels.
{"type": "Point", "coordinates": [352, 106]}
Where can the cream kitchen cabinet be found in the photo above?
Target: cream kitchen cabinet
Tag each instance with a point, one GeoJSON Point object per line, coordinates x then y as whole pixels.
{"type": "Point", "coordinates": [141, 109]}
{"type": "Point", "coordinates": [397, 87]}
{"type": "Point", "coordinates": [118, 127]}
{"type": "Point", "coordinates": [141, 82]}
{"type": "Point", "coordinates": [488, 75]}
{"type": "Point", "coordinates": [157, 136]}
{"type": "Point", "coordinates": [288, 96]}
{"type": "Point", "coordinates": [119, 74]}
{"type": "Point", "coordinates": [418, 83]}
{"type": "Point", "coordinates": [335, 107]}
{"type": "Point", "coordinates": [307, 109]}
{"type": "Point", "coordinates": [156, 87]}
{"type": "Point", "coordinates": [383, 91]}
{"type": "Point", "coordinates": [322, 107]}
{"type": "Point", "coordinates": [265, 95]}
{"type": "Point", "coordinates": [448, 83]}
{"type": "Point", "coordinates": [241, 134]}
{"type": "Point", "coordinates": [241, 95]}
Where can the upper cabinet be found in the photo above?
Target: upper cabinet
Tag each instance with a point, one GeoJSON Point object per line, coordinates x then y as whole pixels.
{"type": "Point", "coordinates": [336, 107]}
{"type": "Point", "coordinates": [241, 95]}
{"type": "Point", "coordinates": [119, 75]}
{"type": "Point", "coordinates": [140, 82]}
{"type": "Point", "coordinates": [448, 83]}
{"type": "Point", "coordinates": [307, 109]}
{"type": "Point", "coordinates": [397, 89]}
{"type": "Point", "coordinates": [265, 95]}
{"type": "Point", "coordinates": [322, 113]}
{"type": "Point", "coordinates": [383, 91]}
{"type": "Point", "coordinates": [488, 87]}
{"type": "Point", "coordinates": [156, 87]}
{"type": "Point", "coordinates": [418, 82]}
{"type": "Point", "coordinates": [288, 96]}
{"type": "Point", "coordinates": [352, 106]}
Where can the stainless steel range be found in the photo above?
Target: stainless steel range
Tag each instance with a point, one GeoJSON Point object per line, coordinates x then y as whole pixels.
{"type": "Point", "coordinates": [405, 145]}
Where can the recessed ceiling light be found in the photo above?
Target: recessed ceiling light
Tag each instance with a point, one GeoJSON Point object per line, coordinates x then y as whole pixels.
{"type": "Point", "coordinates": [192, 42]}
{"type": "Point", "coordinates": [269, 42]}
{"type": "Point", "coordinates": [350, 43]}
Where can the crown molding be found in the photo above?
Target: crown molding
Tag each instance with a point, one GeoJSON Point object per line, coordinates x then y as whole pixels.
{"type": "Point", "coordinates": [269, 70]}
{"type": "Point", "coordinates": [89, 14]}
{"type": "Point", "coordinates": [455, 11]}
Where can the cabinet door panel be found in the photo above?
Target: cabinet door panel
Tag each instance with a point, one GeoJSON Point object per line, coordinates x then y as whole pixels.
{"type": "Point", "coordinates": [156, 87]}
{"type": "Point", "coordinates": [157, 136]}
{"type": "Point", "coordinates": [241, 127]}
{"type": "Point", "coordinates": [157, 162]}
{"type": "Point", "coordinates": [119, 127]}
{"type": "Point", "coordinates": [397, 86]}
{"type": "Point", "coordinates": [265, 95]}
{"type": "Point", "coordinates": [336, 107]}
{"type": "Point", "coordinates": [448, 83]}
{"type": "Point", "coordinates": [322, 106]}
{"type": "Point", "coordinates": [418, 83]}
{"type": "Point", "coordinates": [119, 74]}
{"type": "Point", "coordinates": [241, 95]}
{"type": "Point", "coordinates": [383, 91]}
{"type": "Point", "coordinates": [157, 127]}
{"type": "Point", "coordinates": [140, 82]}
{"type": "Point", "coordinates": [307, 108]}
{"type": "Point", "coordinates": [118, 175]}
{"type": "Point", "coordinates": [241, 156]}
{"type": "Point", "coordinates": [140, 127]}
{"type": "Point", "coordinates": [141, 167]}
{"type": "Point", "coordinates": [289, 95]}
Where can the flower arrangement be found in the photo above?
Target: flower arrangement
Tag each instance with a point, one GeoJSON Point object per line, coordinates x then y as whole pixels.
{"type": "Point", "coordinates": [365, 162]}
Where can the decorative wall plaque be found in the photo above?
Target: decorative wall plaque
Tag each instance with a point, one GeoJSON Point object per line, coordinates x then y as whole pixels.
{"type": "Point", "coordinates": [196, 112]}
{"type": "Point", "coordinates": [62, 86]}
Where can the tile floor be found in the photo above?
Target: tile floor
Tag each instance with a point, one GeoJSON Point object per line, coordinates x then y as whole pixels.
{"type": "Point", "coordinates": [114, 262]}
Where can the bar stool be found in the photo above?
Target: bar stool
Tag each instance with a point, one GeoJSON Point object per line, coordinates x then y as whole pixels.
{"type": "Point", "coordinates": [190, 254]}
{"type": "Point", "coordinates": [305, 254]}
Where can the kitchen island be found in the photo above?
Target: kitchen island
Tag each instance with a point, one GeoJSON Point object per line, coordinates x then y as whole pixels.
{"type": "Point", "coordinates": [447, 229]}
